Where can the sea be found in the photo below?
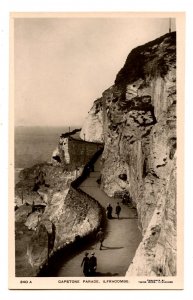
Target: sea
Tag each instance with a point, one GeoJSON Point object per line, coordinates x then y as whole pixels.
{"type": "Point", "coordinates": [35, 145]}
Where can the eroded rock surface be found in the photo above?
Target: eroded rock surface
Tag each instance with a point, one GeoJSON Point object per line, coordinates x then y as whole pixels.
{"type": "Point", "coordinates": [49, 214]}
{"type": "Point", "coordinates": [137, 116]}
{"type": "Point", "coordinates": [95, 116]}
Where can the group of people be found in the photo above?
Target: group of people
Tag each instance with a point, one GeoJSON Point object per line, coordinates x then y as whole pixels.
{"type": "Point", "coordinates": [109, 210]}
{"type": "Point", "coordinates": [89, 264]}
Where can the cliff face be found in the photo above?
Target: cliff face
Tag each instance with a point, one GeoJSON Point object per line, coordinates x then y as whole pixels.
{"type": "Point", "coordinates": [49, 215]}
{"type": "Point", "coordinates": [69, 216]}
{"type": "Point", "coordinates": [138, 116]}
{"type": "Point", "coordinates": [94, 133]}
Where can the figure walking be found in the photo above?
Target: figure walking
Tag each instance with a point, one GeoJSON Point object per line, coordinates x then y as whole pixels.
{"type": "Point", "coordinates": [100, 237]}
{"type": "Point", "coordinates": [85, 264]}
{"type": "Point", "coordinates": [109, 211]}
{"type": "Point", "coordinates": [118, 210]}
{"type": "Point", "coordinates": [93, 264]}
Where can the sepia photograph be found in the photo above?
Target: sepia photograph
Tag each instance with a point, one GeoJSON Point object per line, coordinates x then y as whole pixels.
{"type": "Point", "coordinates": [96, 167]}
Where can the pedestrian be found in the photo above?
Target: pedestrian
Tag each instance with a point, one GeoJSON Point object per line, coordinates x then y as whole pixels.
{"type": "Point", "coordinates": [93, 264]}
{"type": "Point", "coordinates": [118, 210]}
{"type": "Point", "coordinates": [109, 211]}
{"type": "Point", "coordinates": [85, 264]}
{"type": "Point", "coordinates": [100, 237]}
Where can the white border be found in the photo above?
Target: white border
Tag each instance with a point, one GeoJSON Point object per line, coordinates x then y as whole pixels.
{"type": "Point", "coordinates": [55, 283]}
{"type": "Point", "coordinates": [7, 6]}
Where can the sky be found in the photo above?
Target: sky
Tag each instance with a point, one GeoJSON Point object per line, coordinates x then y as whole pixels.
{"type": "Point", "coordinates": [61, 65]}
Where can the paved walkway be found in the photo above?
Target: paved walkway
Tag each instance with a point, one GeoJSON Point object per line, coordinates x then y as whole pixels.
{"type": "Point", "coordinates": [121, 240]}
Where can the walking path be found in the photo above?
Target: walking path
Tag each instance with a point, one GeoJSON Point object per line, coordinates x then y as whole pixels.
{"type": "Point", "coordinates": [121, 240]}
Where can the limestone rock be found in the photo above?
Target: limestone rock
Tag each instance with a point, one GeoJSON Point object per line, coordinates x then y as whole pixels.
{"type": "Point", "coordinates": [37, 249]}
{"type": "Point", "coordinates": [138, 116]}
{"type": "Point", "coordinates": [32, 220]}
{"type": "Point", "coordinates": [67, 214]}
{"type": "Point", "coordinates": [156, 255]}
{"type": "Point", "coordinates": [55, 159]}
{"type": "Point", "coordinates": [92, 129]}
{"type": "Point", "coordinates": [22, 213]}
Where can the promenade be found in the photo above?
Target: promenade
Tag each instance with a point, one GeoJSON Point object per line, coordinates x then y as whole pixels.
{"type": "Point", "coordinates": [122, 237]}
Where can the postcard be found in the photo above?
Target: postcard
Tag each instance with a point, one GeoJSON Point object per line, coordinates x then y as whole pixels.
{"type": "Point", "coordinates": [96, 150]}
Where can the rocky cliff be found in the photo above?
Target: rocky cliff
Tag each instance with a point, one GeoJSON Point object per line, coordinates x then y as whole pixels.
{"type": "Point", "coordinates": [95, 117]}
{"type": "Point", "coordinates": [50, 214]}
{"type": "Point", "coordinates": [136, 118]}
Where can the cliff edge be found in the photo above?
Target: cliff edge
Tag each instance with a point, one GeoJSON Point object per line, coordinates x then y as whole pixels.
{"type": "Point", "coordinates": [136, 119]}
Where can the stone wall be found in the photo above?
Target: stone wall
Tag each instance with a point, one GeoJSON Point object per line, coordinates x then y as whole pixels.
{"type": "Point", "coordinates": [74, 152]}
{"type": "Point", "coordinates": [81, 151]}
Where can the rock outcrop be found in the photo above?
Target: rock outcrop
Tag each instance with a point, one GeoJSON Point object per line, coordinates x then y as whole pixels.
{"type": "Point", "coordinates": [49, 215]}
{"type": "Point", "coordinates": [68, 216]}
{"type": "Point", "coordinates": [136, 118]}
{"type": "Point", "coordinates": [95, 116]}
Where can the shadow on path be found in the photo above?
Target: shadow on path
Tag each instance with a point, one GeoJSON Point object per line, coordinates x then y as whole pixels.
{"type": "Point", "coordinates": [80, 245]}
{"type": "Point", "coordinates": [110, 248]}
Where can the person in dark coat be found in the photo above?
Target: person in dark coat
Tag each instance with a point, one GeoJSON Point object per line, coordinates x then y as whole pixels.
{"type": "Point", "coordinates": [109, 211]}
{"type": "Point", "coordinates": [100, 237]}
{"type": "Point", "coordinates": [93, 264]}
{"type": "Point", "coordinates": [118, 210]}
{"type": "Point", "coordinates": [85, 264]}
